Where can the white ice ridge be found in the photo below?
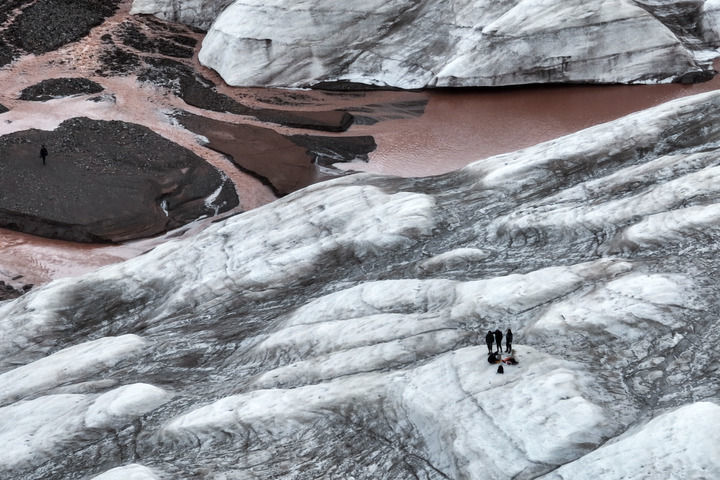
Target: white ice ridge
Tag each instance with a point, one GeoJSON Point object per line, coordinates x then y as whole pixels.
{"type": "Point", "coordinates": [287, 240]}
{"type": "Point", "coordinates": [548, 414]}
{"type": "Point", "coordinates": [133, 471]}
{"type": "Point", "coordinates": [414, 44]}
{"type": "Point", "coordinates": [624, 310]}
{"type": "Point", "coordinates": [67, 365]}
{"type": "Point", "coordinates": [32, 431]}
{"type": "Point", "coordinates": [679, 445]}
{"type": "Point", "coordinates": [673, 226]}
{"type": "Point", "coordinates": [458, 258]}
{"type": "Point", "coordinates": [455, 299]}
{"type": "Point", "coordinates": [122, 404]}
{"type": "Point", "coordinates": [561, 213]}
{"type": "Point", "coordinates": [387, 324]}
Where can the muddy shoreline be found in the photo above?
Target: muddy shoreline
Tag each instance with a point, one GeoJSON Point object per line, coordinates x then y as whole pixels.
{"type": "Point", "coordinates": [270, 142]}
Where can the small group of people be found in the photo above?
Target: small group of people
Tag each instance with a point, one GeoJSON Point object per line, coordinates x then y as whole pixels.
{"type": "Point", "coordinates": [497, 337]}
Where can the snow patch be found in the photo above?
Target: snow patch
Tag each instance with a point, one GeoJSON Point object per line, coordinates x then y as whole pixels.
{"type": "Point", "coordinates": [32, 431]}
{"type": "Point", "coordinates": [117, 406]}
{"type": "Point", "coordinates": [625, 308]}
{"type": "Point", "coordinates": [678, 445]}
{"type": "Point", "coordinates": [67, 365]}
{"type": "Point", "coordinates": [455, 259]}
{"type": "Point", "coordinates": [133, 471]}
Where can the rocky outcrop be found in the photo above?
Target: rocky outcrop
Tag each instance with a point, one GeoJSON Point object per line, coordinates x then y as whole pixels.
{"type": "Point", "coordinates": [3, 108]}
{"type": "Point", "coordinates": [415, 44]}
{"type": "Point", "coordinates": [60, 87]}
{"type": "Point", "coordinates": [338, 332]}
{"type": "Point", "coordinates": [104, 182]}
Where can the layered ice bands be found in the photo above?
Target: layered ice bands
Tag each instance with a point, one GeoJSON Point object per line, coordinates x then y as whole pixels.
{"type": "Point", "coordinates": [339, 331]}
{"type": "Point", "coordinates": [130, 472]}
{"type": "Point", "coordinates": [646, 453]}
{"type": "Point", "coordinates": [416, 44]}
{"type": "Point", "coordinates": [198, 13]}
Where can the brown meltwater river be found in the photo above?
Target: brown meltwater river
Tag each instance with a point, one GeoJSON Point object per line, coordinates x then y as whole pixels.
{"type": "Point", "coordinates": [460, 127]}
{"type": "Point", "coordinates": [457, 128]}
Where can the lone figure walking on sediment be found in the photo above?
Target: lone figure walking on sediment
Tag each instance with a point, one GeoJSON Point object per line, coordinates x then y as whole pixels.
{"type": "Point", "coordinates": [43, 153]}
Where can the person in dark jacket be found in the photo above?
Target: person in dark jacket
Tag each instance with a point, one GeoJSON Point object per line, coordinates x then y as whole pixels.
{"type": "Point", "coordinates": [489, 339]}
{"type": "Point", "coordinates": [498, 339]}
{"type": "Point", "coordinates": [43, 153]}
{"type": "Point", "coordinates": [508, 341]}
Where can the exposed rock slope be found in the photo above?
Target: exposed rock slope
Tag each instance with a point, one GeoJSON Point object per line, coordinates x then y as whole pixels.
{"type": "Point", "coordinates": [104, 181]}
{"type": "Point", "coordinates": [335, 332]}
{"type": "Point", "coordinates": [414, 44]}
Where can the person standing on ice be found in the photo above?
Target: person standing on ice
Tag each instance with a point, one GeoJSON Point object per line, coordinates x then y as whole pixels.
{"type": "Point", "coordinates": [43, 153]}
{"type": "Point", "coordinates": [508, 341]}
{"type": "Point", "coordinates": [498, 340]}
{"type": "Point", "coordinates": [489, 339]}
